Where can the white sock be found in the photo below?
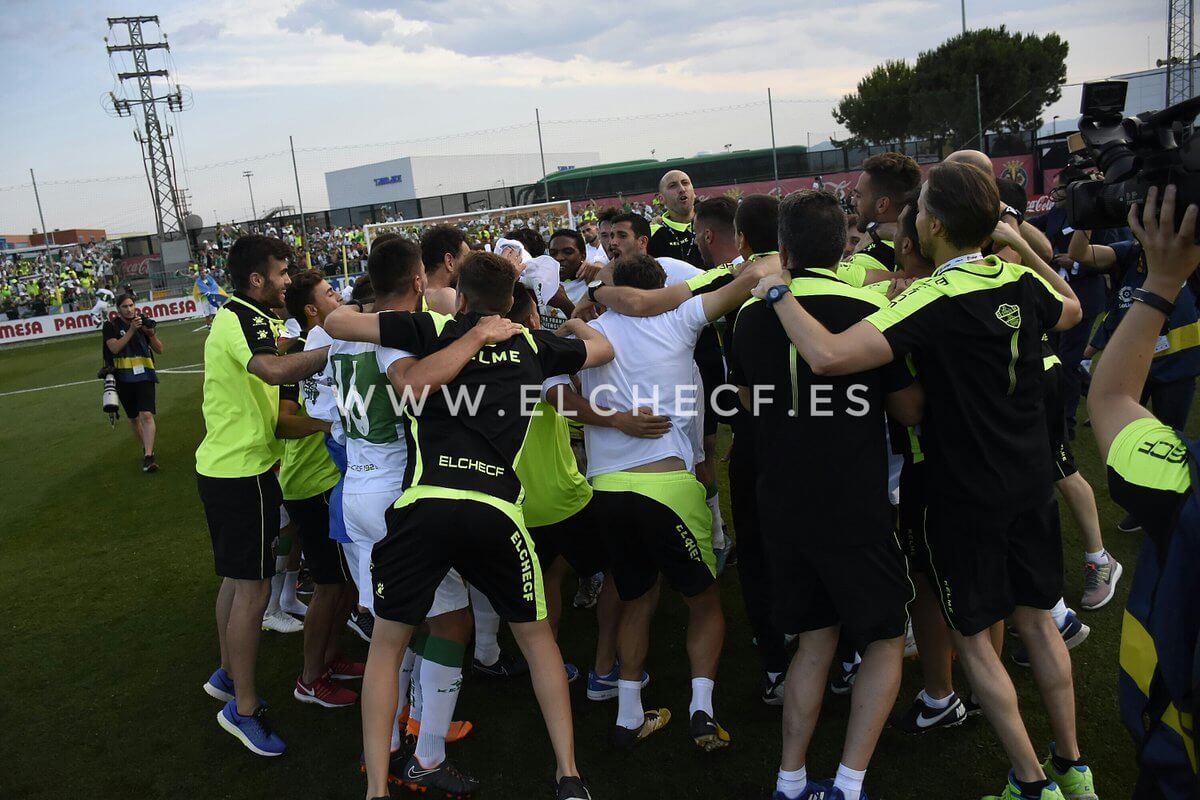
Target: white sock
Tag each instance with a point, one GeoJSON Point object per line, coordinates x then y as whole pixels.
{"type": "Point", "coordinates": [487, 627]}
{"type": "Point", "coordinates": [629, 705]}
{"type": "Point", "coordinates": [439, 688]}
{"type": "Point", "coordinates": [1099, 559]}
{"type": "Point", "coordinates": [276, 585]}
{"type": "Point", "coordinates": [1059, 612]}
{"type": "Point", "coordinates": [404, 678]}
{"type": "Point", "coordinates": [850, 781]}
{"type": "Point", "coordinates": [791, 783]}
{"type": "Point", "coordinates": [718, 525]}
{"type": "Point", "coordinates": [928, 700]}
{"type": "Point", "coordinates": [416, 705]}
{"type": "Point", "coordinates": [288, 596]}
{"type": "Point", "coordinates": [702, 689]}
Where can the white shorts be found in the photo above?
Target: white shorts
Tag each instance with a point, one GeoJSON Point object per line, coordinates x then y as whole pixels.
{"type": "Point", "coordinates": [206, 308]}
{"type": "Point", "coordinates": [365, 526]}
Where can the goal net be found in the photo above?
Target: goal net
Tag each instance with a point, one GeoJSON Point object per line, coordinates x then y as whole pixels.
{"type": "Point", "coordinates": [486, 227]}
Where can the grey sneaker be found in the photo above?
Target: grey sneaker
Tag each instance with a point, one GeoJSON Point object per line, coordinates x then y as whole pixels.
{"type": "Point", "coordinates": [1100, 583]}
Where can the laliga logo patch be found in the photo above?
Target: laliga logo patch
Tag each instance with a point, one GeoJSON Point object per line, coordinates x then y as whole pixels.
{"type": "Point", "coordinates": [1010, 315]}
{"type": "Point", "coordinates": [1015, 171]}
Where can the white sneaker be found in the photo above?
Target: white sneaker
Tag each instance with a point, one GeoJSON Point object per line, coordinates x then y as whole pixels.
{"type": "Point", "coordinates": [293, 607]}
{"type": "Point", "coordinates": [281, 623]}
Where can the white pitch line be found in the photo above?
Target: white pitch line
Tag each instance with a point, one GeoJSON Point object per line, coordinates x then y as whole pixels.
{"type": "Point", "coordinates": [170, 371]}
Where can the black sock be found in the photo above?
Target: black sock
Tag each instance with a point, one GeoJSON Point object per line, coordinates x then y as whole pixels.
{"type": "Point", "coordinates": [1061, 764]}
{"type": "Point", "coordinates": [1032, 789]}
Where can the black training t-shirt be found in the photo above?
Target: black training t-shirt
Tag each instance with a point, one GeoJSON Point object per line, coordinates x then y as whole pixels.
{"type": "Point", "coordinates": [975, 332]}
{"type": "Point", "coordinates": [819, 440]}
{"type": "Point", "coordinates": [468, 435]}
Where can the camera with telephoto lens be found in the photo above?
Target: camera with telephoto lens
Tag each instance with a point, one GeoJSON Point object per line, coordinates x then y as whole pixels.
{"type": "Point", "coordinates": [1133, 154]}
{"type": "Point", "coordinates": [147, 321]}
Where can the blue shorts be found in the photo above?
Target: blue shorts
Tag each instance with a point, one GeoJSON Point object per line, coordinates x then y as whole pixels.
{"type": "Point", "coordinates": [337, 523]}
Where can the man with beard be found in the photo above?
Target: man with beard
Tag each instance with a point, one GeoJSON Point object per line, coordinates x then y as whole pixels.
{"type": "Point", "coordinates": [878, 198]}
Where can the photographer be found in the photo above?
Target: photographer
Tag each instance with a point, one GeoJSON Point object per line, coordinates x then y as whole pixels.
{"type": "Point", "coordinates": [1151, 473]}
{"type": "Point", "coordinates": [130, 342]}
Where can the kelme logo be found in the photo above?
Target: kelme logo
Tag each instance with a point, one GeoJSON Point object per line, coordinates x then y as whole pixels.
{"type": "Point", "coordinates": [1010, 315]}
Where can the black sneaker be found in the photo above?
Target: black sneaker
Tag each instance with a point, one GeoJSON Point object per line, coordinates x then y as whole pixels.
{"type": "Point", "coordinates": [1129, 525]}
{"type": "Point", "coordinates": [707, 733]}
{"type": "Point", "coordinates": [149, 464]}
{"type": "Point", "coordinates": [922, 718]}
{"type": "Point", "coordinates": [843, 684]}
{"type": "Point", "coordinates": [971, 704]}
{"type": "Point", "coordinates": [772, 693]}
{"type": "Point", "coordinates": [304, 582]}
{"type": "Point", "coordinates": [505, 667]}
{"type": "Point", "coordinates": [396, 762]}
{"type": "Point", "coordinates": [362, 623]}
{"type": "Point", "coordinates": [571, 788]}
{"type": "Point", "coordinates": [444, 780]}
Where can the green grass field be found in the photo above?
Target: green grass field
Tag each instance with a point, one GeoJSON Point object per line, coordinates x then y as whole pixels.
{"type": "Point", "coordinates": [107, 594]}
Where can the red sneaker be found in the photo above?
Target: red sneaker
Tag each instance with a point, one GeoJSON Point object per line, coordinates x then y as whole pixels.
{"type": "Point", "coordinates": [324, 692]}
{"type": "Point", "coordinates": [345, 670]}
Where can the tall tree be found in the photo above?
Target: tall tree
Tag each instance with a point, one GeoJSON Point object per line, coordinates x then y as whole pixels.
{"type": "Point", "coordinates": [1019, 75]}
{"type": "Point", "coordinates": [880, 111]}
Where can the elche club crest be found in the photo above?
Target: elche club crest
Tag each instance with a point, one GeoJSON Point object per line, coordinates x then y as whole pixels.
{"type": "Point", "coordinates": [1010, 315]}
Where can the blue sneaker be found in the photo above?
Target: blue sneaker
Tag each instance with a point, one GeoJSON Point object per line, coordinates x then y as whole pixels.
{"type": "Point", "coordinates": [219, 686]}
{"type": "Point", "coordinates": [572, 672]}
{"type": "Point", "coordinates": [1073, 631]}
{"type": "Point", "coordinates": [817, 790]}
{"type": "Point", "coordinates": [604, 687]}
{"type": "Point", "coordinates": [253, 731]}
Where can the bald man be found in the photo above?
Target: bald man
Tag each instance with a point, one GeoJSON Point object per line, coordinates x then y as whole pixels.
{"type": "Point", "coordinates": [674, 237]}
{"type": "Point", "coordinates": [1033, 236]}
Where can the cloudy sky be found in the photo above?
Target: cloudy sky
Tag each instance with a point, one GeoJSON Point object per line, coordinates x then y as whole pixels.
{"type": "Point", "coordinates": [343, 76]}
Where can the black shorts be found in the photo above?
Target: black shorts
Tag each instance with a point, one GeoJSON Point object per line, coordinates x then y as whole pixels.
{"type": "Point", "coordinates": [863, 588]}
{"type": "Point", "coordinates": [243, 521]}
{"type": "Point", "coordinates": [986, 562]}
{"type": "Point", "coordinates": [136, 396]}
{"type": "Point", "coordinates": [485, 541]}
{"type": "Point", "coordinates": [1056, 423]}
{"type": "Point", "coordinates": [322, 555]}
{"type": "Point", "coordinates": [911, 516]}
{"type": "Point", "coordinates": [656, 522]}
{"type": "Point", "coordinates": [579, 539]}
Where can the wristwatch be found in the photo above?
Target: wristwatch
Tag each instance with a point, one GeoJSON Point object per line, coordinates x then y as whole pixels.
{"type": "Point", "coordinates": [592, 287]}
{"type": "Point", "coordinates": [776, 293]}
{"type": "Point", "coordinates": [1009, 210]}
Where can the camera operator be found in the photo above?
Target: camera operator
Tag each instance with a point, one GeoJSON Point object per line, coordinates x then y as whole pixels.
{"type": "Point", "coordinates": [1151, 473]}
{"type": "Point", "coordinates": [1087, 284]}
{"type": "Point", "coordinates": [130, 342]}
{"type": "Point", "coordinates": [1171, 385]}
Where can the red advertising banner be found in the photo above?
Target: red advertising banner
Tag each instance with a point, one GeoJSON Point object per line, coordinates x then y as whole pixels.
{"type": "Point", "coordinates": [51, 325]}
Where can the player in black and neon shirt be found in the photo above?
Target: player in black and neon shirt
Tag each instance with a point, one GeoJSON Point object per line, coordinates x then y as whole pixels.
{"type": "Point", "coordinates": [878, 197]}
{"type": "Point", "coordinates": [460, 507]}
{"type": "Point", "coordinates": [239, 490]}
{"type": "Point", "coordinates": [1152, 471]}
{"type": "Point", "coordinates": [673, 236]}
{"type": "Point", "coordinates": [975, 330]}
{"type": "Point", "coordinates": [843, 572]}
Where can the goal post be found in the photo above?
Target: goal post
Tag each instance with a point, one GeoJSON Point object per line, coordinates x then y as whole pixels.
{"type": "Point", "coordinates": [486, 226]}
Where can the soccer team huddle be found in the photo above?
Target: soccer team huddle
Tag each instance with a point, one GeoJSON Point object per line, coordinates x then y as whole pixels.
{"type": "Point", "coordinates": [447, 462]}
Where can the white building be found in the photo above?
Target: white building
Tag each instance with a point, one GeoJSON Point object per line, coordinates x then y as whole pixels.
{"type": "Point", "coordinates": [427, 176]}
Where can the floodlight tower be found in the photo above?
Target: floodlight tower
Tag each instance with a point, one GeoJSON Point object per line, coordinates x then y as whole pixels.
{"type": "Point", "coordinates": [1181, 51]}
{"type": "Point", "coordinates": [156, 151]}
